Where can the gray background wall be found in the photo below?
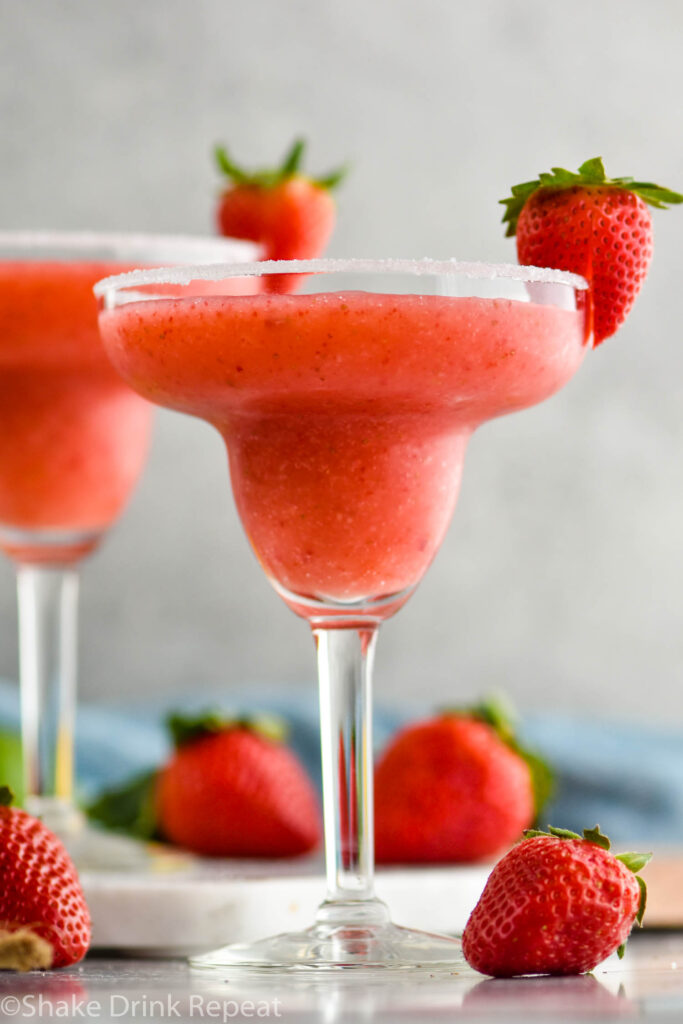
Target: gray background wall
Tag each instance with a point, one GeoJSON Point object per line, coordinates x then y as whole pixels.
{"type": "Point", "coordinates": [560, 579]}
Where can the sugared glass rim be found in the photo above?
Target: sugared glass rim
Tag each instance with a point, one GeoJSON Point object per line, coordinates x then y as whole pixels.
{"type": "Point", "coordinates": [183, 275]}
{"type": "Point", "coordinates": [207, 248]}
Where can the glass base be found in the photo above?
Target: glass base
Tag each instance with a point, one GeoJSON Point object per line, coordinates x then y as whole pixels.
{"type": "Point", "coordinates": [366, 940]}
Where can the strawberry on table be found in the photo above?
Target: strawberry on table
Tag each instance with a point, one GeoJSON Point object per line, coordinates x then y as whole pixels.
{"type": "Point", "coordinates": [44, 919]}
{"type": "Point", "coordinates": [593, 225]}
{"type": "Point", "coordinates": [557, 903]}
{"type": "Point", "coordinates": [291, 214]}
{"type": "Point", "coordinates": [232, 789]}
{"type": "Point", "coordinates": [457, 787]}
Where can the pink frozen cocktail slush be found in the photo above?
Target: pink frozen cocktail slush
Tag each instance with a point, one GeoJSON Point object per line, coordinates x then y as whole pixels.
{"type": "Point", "coordinates": [346, 415]}
{"type": "Point", "coordinates": [73, 437]}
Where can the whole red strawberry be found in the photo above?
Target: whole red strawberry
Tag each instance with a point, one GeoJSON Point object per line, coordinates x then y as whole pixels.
{"type": "Point", "coordinates": [557, 903]}
{"type": "Point", "coordinates": [453, 788]}
{"type": "Point", "coordinates": [44, 919]}
{"type": "Point", "coordinates": [290, 214]}
{"type": "Point", "coordinates": [230, 790]}
{"type": "Point", "coordinates": [595, 226]}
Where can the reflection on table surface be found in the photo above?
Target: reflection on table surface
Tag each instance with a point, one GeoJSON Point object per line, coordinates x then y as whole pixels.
{"type": "Point", "coordinates": [646, 984]}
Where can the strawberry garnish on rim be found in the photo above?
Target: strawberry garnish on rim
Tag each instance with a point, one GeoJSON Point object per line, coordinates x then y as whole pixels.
{"type": "Point", "coordinates": [290, 213]}
{"type": "Point", "coordinates": [593, 225]}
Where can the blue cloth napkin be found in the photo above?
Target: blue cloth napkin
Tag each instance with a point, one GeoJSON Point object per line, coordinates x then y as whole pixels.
{"type": "Point", "coordinates": [626, 777]}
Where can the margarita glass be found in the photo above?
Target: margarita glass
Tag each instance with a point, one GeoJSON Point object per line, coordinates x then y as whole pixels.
{"type": "Point", "coordinates": [73, 439]}
{"type": "Point", "coordinates": [346, 413]}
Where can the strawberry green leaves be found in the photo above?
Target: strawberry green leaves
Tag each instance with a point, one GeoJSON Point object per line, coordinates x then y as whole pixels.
{"type": "Point", "coordinates": [591, 835]}
{"type": "Point", "coordinates": [634, 861]}
{"type": "Point", "coordinates": [594, 835]}
{"type": "Point", "coordinates": [129, 808]}
{"type": "Point", "coordinates": [644, 857]}
{"type": "Point", "coordinates": [643, 900]}
{"type": "Point", "coordinates": [11, 767]}
{"type": "Point", "coordinates": [556, 833]}
{"type": "Point", "coordinates": [591, 173]}
{"type": "Point", "coordinates": [188, 728]}
{"type": "Point", "coordinates": [290, 167]}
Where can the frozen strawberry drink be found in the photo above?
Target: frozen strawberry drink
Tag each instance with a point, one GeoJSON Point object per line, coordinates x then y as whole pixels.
{"type": "Point", "coordinates": [346, 415]}
{"type": "Point", "coordinates": [346, 411]}
{"type": "Point", "coordinates": [74, 436]}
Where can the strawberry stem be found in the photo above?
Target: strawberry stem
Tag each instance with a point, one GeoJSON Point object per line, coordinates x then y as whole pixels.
{"type": "Point", "coordinates": [6, 796]}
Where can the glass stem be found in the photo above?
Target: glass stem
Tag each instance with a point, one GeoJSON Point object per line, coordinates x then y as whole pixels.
{"type": "Point", "coordinates": [48, 609]}
{"type": "Point", "coordinates": [345, 657]}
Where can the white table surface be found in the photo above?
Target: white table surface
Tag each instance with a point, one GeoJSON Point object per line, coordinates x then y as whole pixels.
{"type": "Point", "coordinates": [647, 985]}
